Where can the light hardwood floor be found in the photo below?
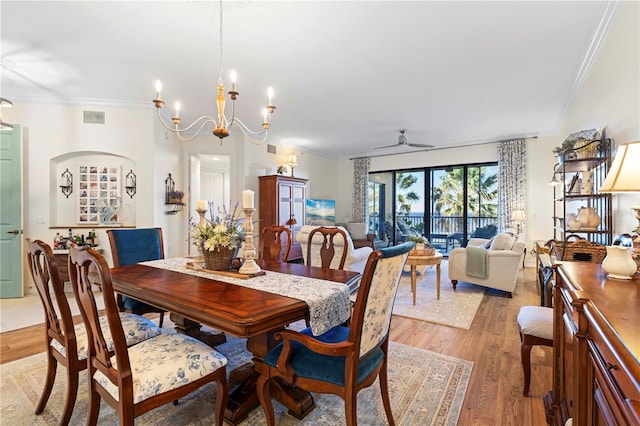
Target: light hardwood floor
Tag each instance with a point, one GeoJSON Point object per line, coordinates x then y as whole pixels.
{"type": "Point", "coordinates": [494, 395]}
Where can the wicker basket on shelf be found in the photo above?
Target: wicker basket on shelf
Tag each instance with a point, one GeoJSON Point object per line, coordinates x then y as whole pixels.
{"type": "Point", "coordinates": [580, 249]}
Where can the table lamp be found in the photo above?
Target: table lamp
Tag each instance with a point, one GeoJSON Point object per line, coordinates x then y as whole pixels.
{"type": "Point", "coordinates": [518, 216]}
{"type": "Point", "coordinates": [293, 161]}
{"type": "Point", "coordinates": [624, 176]}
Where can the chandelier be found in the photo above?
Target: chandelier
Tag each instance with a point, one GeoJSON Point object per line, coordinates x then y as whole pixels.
{"type": "Point", "coordinates": [220, 122]}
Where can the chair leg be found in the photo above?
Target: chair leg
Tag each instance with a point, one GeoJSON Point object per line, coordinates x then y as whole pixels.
{"type": "Point", "coordinates": [384, 389]}
{"type": "Point", "coordinates": [94, 407]}
{"type": "Point", "coordinates": [525, 355]}
{"type": "Point", "coordinates": [351, 408]}
{"type": "Point", "coordinates": [222, 394]}
{"type": "Point", "coordinates": [161, 321]}
{"type": "Point", "coordinates": [264, 395]}
{"type": "Point", "coordinates": [52, 365]}
{"type": "Point", "coordinates": [72, 394]}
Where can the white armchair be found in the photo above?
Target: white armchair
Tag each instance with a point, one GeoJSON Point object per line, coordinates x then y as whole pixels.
{"type": "Point", "coordinates": [356, 258]}
{"type": "Point", "coordinates": [503, 262]}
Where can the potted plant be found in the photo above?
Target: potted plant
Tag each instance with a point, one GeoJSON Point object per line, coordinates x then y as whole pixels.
{"type": "Point", "coordinates": [219, 236]}
{"type": "Point", "coordinates": [175, 196]}
{"type": "Point", "coordinates": [565, 150]}
{"type": "Point", "coordinates": [421, 242]}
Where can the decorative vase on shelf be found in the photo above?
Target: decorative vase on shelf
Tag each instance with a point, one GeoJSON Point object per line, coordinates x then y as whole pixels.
{"type": "Point", "coordinates": [573, 223]}
{"type": "Point", "coordinates": [588, 218]}
{"type": "Point", "coordinates": [586, 184]}
{"type": "Point", "coordinates": [619, 263]}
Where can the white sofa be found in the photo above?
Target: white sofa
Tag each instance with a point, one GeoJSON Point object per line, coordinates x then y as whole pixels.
{"type": "Point", "coordinates": [503, 262]}
{"type": "Point", "coordinates": [356, 258]}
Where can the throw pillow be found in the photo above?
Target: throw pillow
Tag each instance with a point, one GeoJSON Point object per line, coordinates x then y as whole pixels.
{"type": "Point", "coordinates": [503, 241]}
{"type": "Point", "coordinates": [357, 230]}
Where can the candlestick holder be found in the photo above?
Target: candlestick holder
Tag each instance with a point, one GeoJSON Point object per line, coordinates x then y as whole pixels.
{"type": "Point", "coordinates": [249, 266]}
{"type": "Point", "coordinates": [199, 259]}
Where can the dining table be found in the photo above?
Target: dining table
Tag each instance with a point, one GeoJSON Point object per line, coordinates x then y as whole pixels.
{"type": "Point", "coordinates": [251, 307]}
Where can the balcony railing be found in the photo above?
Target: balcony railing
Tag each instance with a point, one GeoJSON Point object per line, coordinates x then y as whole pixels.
{"type": "Point", "coordinates": [446, 231]}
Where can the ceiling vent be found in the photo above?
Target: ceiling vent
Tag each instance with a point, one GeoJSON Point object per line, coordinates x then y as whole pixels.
{"type": "Point", "coordinates": [271, 149]}
{"type": "Point", "coordinates": [93, 117]}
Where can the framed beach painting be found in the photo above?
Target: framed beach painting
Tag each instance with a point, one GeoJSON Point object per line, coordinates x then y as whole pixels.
{"type": "Point", "coordinates": [320, 212]}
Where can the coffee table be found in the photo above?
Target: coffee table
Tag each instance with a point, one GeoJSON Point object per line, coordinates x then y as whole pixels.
{"type": "Point", "coordinates": [418, 257]}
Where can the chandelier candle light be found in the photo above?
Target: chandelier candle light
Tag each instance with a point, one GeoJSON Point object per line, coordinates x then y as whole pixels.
{"type": "Point", "coordinates": [221, 123]}
{"type": "Point", "coordinates": [249, 266]}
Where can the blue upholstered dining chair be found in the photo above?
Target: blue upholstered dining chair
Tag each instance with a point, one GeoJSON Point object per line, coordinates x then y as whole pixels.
{"type": "Point", "coordinates": [344, 360]}
{"type": "Point", "coordinates": [67, 344]}
{"type": "Point", "coordinates": [130, 246]}
{"type": "Point", "coordinates": [134, 380]}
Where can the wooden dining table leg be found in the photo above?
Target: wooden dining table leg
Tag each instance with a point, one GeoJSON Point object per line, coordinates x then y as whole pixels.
{"type": "Point", "coordinates": [193, 329]}
{"type": "Point", "coordinates": [243, 398]}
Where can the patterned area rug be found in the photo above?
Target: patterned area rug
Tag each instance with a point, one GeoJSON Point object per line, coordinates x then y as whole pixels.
{"type": "Point", "coordinates": [455, 308]}
{"type": "Point", "coordinates": [426, 389]}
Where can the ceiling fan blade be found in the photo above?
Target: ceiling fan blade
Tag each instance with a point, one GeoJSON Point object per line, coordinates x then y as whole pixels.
{"type": "Point", "coordinates": [389, 146]}
{"type": "Point", "coordinates": [419, 145]}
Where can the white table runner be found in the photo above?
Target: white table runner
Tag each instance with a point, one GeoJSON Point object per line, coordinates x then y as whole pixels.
{"type": "Point", "coordinates": [328, 301]}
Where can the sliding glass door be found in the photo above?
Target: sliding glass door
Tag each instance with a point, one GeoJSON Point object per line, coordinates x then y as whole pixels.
{"type": "Point", "coordinates": [447, 208]}
{"type": "Point", "coordinates": [448, 204]}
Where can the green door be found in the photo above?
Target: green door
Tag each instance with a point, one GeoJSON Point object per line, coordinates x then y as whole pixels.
{"type": "Point", "coordinates": [10, 214]}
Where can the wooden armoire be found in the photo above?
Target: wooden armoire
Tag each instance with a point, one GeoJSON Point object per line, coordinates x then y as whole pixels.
{"type": "Point", "coordinates": [282, 203]}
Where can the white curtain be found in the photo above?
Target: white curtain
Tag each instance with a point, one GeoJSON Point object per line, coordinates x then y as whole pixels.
{"type": "Point", "coordinates": [512, 161]}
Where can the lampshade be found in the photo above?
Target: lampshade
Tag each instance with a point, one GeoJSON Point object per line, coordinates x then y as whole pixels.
{"type": "Point", "coordinates": [518, 215]}
{"type": "Point", "coordinates": [293, 160]}
{"type": "Point", "coordinates": [624, 175]}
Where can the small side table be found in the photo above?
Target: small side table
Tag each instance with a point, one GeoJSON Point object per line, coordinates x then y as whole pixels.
{"type": "Point", "coordinates": [416, 257]}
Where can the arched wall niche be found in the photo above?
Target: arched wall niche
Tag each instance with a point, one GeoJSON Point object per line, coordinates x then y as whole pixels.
{"type": "Point", "coordinates": [96, 176]}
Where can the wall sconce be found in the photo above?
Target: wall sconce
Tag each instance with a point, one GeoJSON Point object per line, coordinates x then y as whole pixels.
{"type": "Point", "coordinates": [130, 184]}
{"type": "Point", "coordinates": [67, 183]}
{"type": "Point", "coordinates": [293, 161]}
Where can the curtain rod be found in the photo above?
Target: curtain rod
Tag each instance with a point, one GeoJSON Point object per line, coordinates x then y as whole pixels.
{"type": "Point", "coordinates": [444, 147]}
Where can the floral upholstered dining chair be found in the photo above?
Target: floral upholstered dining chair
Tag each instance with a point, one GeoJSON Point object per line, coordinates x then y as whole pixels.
{"type": "Point", "coordinates": [343, 360]}
{"type": "Point", "coordinates": [152, 373]}
{"type": "Point", "coordinates": [68, 344]}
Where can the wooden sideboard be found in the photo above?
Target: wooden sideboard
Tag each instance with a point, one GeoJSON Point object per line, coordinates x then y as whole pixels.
{"type": "Point", "coordinates": [596, 356]}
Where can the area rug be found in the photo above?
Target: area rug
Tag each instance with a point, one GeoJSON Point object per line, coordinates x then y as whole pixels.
{"type": "Point", "coordinates": [455, 308]}
{"type": "Point", "coordinates": [426, 388]}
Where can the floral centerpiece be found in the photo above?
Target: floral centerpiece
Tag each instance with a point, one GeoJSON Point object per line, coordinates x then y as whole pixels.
{"type": "Point", "coordinates": [219, 236]}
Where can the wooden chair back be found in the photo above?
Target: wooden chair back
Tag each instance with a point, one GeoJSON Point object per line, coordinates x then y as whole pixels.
{"type": "Point", "coordinates": [327, 248]}
{"type": "Point", "coordinates": [81, 261]}
{"type": "Point", "coordinates": [58, 325]}
{"type": "Point", "coordinates": [371, 317]}
{"type": "Point", "coordinates": [275, 243]}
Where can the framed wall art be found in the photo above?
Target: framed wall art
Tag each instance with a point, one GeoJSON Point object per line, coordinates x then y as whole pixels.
{"type": "Point", "coordinates": [99, 192]}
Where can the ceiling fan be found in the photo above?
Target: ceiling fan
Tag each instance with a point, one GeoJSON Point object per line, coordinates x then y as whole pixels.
{"type": "Point", "coordinates": [402, 141]}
